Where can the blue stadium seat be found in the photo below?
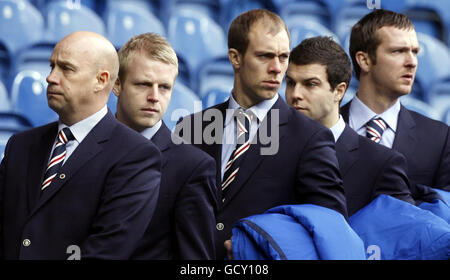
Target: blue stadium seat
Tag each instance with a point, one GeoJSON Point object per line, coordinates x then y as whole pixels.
{"type": "Point", "coordinates": [125, 20]}
{"type": "Point", "coordinates": [5, 60]}
{"type": "Point", "coordinates": [42, 4]}
{"type": "Point", "coordinates": [349, 13]}
{"type": "Point", "coordinates": [216, 74]}
{"type": "Point", "coordinates": [182, 103]}
{"type": "Point", "coordinates": [434, 61]}
{"type": "Point", "coordinates": [32, 57]}
{"type": "Point", "coordinates": [29, 98]}
{"type": "Point", "coordinates": [10, 123]}
{"type": "Point", "coordinates": [440, 97]}
{"type": "Point", "coordinates": [419, 106]}
{"type": "Point", "coordinates": [62, 19]}
{"type": "Point", "coordinates": [308, 10]}
{"type": "Point", "coordinates": [21, 24]}
{"type": "Point", "coordinates": [214, 96]}
{"type": "Point", "coordinates": [301, 29]}
{"type": "Point", "coordinates": [211, 8]}
{"type": "Point", "coordinates": [5, 104]}
{"type": "Point", "coordinates": [429, 17]}
{"type": "Point", "coordinates": [197, 38]}
{"type": "Point", "coordinates": [112, 103]}
{"type": "Point", "coordinates": [230, 9]}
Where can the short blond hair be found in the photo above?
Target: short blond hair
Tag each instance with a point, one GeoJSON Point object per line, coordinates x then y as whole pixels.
{"type": "Point", "coordinates": [152, 45]}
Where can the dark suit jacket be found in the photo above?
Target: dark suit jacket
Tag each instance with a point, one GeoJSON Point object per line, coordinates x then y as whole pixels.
{"type": "Point", "coordinates": [425, 143]}
{"type": "Point", "coordinates": [103, 205]}
{"type": "Point", "coordinates": [369, 169]}
{"type": "Point", "coordinates": [183, 226]}
{"type": "Point", "coordinates": [304, 170]}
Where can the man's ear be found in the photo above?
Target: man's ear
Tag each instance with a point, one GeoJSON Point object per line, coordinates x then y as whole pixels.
{"type": "Point", "coordinates": [117, 87]}
{"type": "Point", "coordinates": [363, 60]}
{"type": "Point", "coordinates": [339, 91]}
{"type": "Point", "coordinates": [235, 58]}
{"type": "Point", "coordinates": [103, 78]}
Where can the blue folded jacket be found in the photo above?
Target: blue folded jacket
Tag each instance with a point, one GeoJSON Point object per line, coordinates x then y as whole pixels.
{"type": "Point", "coordinates": [402, 231]}
{"type": "Point", "coordinates": [296, 232]}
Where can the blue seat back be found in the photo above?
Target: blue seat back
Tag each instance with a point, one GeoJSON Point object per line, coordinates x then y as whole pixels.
{"type": "Point", "coordinates": [419, 106]}
{"type": "Point", "coordinates": [197, 38]}
{"type": "Point", "coordinates": [182, 103]}
{"type": "Point", "coordinates": [433, 59]}
{"type": "Point", "coordinates": [5, 104]}
{"type": "Point", "coordinates": [215, 96]}
{"type": "Point", "coordinates": [63, 19]}
{"type": "Point", "coordinates": [29, 98]}
{"type": "Point", "coordinates": [301, 29]}
{"type": "Point", "coordinates": [125, 20]}
{"type": "Point", "coordinates": [216, 74]}
{"type": "Point", "coordinates": [21, 24]}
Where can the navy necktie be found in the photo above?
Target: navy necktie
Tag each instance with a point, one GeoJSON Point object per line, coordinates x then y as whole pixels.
{"type": "Point", "coordinates": [243, 121]}
{"type": "Point", "coordinates": [375, 129]}
{"type": "Point", "coordinates": [58, 156]}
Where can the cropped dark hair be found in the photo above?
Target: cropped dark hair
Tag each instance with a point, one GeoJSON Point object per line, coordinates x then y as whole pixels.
{"type": "Point", "coordinates": [364, 37]}
{"type": "Point", "coordinates": [323, 50]}
{"type": "Point", "coordinates": [241, 25]}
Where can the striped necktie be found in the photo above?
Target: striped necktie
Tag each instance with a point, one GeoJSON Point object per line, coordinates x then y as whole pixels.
{"type": "Point", "coordinates": [243, 122]}
{"type": "Point", "coordinates": [375, 129]}
{"type": "Point", "coordinates": [58, 156]}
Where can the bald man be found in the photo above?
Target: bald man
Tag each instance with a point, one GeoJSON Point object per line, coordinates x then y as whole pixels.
{"type": "Point", "coordinates": [84, 187]}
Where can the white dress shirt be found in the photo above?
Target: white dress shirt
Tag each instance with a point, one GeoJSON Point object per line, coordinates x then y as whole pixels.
{"type": "Point", "coordinates": [338, 128]}
{"type": "Point", "coordinates": [151, 131]}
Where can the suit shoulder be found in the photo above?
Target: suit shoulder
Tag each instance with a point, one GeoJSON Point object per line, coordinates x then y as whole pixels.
{"type": "Point", "coordinates": [427, 122]}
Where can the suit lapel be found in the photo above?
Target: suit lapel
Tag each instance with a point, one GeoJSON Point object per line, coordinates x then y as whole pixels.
{"type": "Point", "coordinates": [86, 150]}
{"type": "Point", "coordinates": [347, 149]}
{"type": "Point", "coordinates": [404, 136]}
{"type": "Point", "coordinates": [215, 150]}
{"type": "Point", "coordinates": [40, 151]}
{"type": "Point", "coordinates": [253, 157]}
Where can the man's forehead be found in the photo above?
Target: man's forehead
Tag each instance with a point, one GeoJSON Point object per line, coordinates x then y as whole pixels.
{"type": "Point", "coordinates": [308, 71]}
{"type": "Point", "coordinates": [394, 35]}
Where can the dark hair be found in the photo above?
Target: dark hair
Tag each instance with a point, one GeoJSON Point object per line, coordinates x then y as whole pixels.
{"type": "Point", "coordinates": [241, 25]}
{"type": "Point", "coordinates": [323, 50]}
{"type": "Point", "coordinates": [364, 37]}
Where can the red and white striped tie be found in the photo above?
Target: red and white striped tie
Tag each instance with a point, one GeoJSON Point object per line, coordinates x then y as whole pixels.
{"type": "Point", "coordinates": [243, 122]}
{"type": "Point", "coordinates": [58, 156]}
{"type": "Point", "coordinates": [375, 129]}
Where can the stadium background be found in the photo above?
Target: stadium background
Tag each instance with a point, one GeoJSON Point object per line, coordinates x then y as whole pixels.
{"type": "Point", "coordinates": [197, 30]}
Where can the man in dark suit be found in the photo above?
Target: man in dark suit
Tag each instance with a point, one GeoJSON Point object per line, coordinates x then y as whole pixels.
{"type": "Point", "coordinates": [266, 153]}
{"type": "Point", "coordinates": [90, 192]}
{"type": "Point", "coordinates": [183, 224]}
{"type": "Point", "coordinates": [317, 77]}
{"type": "Point", "coordinates": [383, 49]}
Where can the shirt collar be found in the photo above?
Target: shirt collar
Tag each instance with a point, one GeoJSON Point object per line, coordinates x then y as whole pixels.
{"type": "Point", "coordinates": [151, 131]}
{"type": "Point", "coordinates": [338, 128]}
{"type": "Point", "coordinates": [82, 128]}
{"type": "Point", "coordinates": [260, 110]}
{"type": "Point", "coordinates": [360, 114]}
